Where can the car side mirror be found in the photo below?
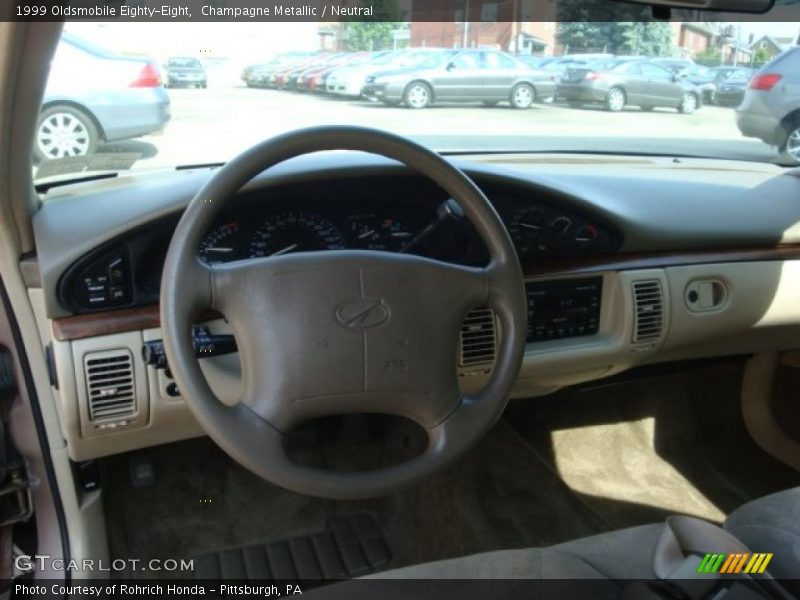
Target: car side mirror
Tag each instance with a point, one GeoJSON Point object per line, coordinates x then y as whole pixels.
{"type": "Point", "coordinates": [451, 66]}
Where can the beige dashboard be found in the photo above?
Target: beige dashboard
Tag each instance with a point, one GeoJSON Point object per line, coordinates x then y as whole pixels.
{"type": "Point", "coordinates": [704, 310]}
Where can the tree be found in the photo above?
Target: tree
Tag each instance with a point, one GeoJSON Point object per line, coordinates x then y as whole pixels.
{"type": "Point", "coordinates": [613, 27]}
{"type": "Point", "coordinates": [375, 33]}
{"type": "Point", "coordinates": [710, 57]}
{"type": "Point", "coordinates": [616, 37]}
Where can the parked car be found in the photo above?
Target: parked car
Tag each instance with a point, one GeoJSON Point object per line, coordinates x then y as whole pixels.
{"type": "Point", "coordinates": [309, 79]}
{"type": "Point", "coordinates": [349, 80]}
{"type": "Point", "coordinates": [185, 72]}
{"type": "Point", "coordinates": [561, 64]}
{"type": "Point", "coordinates": [487, 76]}
{"type": "Point", "coordinates": [253, 75]}
{"type": "Point", "coordinates": [770, 109]}
{"type": "Point", "coordinates": [123, 99]}
{"type": "Point", "coordinates": [731, 91]}
{"type": "Point", "coordinates": [709, 79]}
{"type": "Point", "coordinates": [679, 66]}
{"type": "Point", "coordinates": [629, 82]}
{"type": "Point", "coordinates": [536, 62]}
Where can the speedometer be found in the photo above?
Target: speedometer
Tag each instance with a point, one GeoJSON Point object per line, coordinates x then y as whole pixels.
{"type": "Point", "coordinates": [223, 244]}
{"type": "Point", "coordinates": [294, 231]}
{"type": "Point", "coordinates": [376, 233]}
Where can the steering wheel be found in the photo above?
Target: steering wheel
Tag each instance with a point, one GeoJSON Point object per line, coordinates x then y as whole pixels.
{"type": "Point", "coordinates": [342, 331]}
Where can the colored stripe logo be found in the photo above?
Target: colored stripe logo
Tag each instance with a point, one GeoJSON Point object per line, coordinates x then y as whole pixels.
{"type": "Point", "coordinates": [735, 563]}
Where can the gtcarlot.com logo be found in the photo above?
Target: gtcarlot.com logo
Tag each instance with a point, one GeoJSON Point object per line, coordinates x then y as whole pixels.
{"type": "Point", "coordinates": [44, 562]}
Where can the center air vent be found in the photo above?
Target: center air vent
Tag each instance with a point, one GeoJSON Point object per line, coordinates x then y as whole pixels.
{"type": "Point", "coordinates": [648, 300]}
{"type": "Point", "coordinates": [110, 386]}
{"type": "Point", "coordinates": [477, 342]}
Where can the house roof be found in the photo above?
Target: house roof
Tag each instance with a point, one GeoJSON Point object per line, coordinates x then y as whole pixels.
{"type": "Point", "coordinates": [779, 43]}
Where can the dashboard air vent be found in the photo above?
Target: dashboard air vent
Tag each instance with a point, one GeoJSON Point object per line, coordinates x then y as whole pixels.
{"type": "Point", "coordinates": [648, 300]}
{"type": "Point", "coordinates": [478, 339]}
{"type": "Point", "coordinates": [110, 384]}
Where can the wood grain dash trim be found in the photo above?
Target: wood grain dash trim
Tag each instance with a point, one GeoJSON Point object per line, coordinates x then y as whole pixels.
{"type": "Point", "coordinates": [106, 323]}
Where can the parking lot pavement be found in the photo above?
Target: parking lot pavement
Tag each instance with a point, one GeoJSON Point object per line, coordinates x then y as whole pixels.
{"type": "Point", "coordinates": [213, 124]}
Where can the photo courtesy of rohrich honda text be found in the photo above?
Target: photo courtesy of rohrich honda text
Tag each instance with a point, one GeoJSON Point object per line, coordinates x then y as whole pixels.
{"type": "Point", "coordinates": [400, 299]}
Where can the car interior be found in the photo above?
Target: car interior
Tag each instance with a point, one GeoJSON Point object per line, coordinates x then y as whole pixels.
{"type": "Point", "coordinates": [342, 358]}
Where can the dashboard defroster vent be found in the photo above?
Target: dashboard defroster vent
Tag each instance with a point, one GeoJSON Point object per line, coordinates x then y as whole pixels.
{"type": "Point", "coordinates": [477, 342]}
{"type": "Point", "coordinates": [648, 300]}
{"type": "Point", "coordinates": [110, 386]}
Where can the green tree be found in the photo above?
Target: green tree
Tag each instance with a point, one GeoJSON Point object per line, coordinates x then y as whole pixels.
{"type": "Point", "coordinates": [649, 38]}
{"type": "Point", "coordinates": [761, 57]}
{"type": "Point", "coordinates": [710, 57]}
{"type": "Point", "coordinates": [616, 27]}
{"type": "Point", "coordinates": [376, 32]}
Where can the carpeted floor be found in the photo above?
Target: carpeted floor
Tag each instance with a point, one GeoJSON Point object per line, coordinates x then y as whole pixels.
{"type": "Point", "coordinates": [570, 465]}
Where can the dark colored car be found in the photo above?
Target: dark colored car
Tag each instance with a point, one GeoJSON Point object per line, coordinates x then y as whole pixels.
{"type": "Point", "coordinates": [709, 80]}
{"type": "Point", "coordinates": [184, 72]}
{"type": "Point", "coordinates": [486, 76]}
{"type": "Point", "coordinates": [629, 82]}
{"type": "Point", "coordinates": [731, 91]}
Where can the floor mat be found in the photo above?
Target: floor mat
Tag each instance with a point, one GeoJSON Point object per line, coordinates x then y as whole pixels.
{"type": "Point", "coordinates": [501, 495]}
{"type": "Point", "coordinates": [638, 451]}
{"type": "Point", "coordinates": [351, 546]}
{"type": "Point", "coordinates": [573, 464]}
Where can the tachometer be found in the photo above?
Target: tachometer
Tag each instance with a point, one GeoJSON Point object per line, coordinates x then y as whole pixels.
{"type": "Point", "coordinates": [294, 231]}
{"type": "Point", "coordinates": [376, 233]}
{"type": "Point", "coordinates": [527, 228]}
{"type": "Point", "coordinates": [222, 245]}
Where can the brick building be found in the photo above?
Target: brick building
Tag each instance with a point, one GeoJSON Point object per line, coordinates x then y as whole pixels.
{"type": "Point", "coordinates": [522, 26]}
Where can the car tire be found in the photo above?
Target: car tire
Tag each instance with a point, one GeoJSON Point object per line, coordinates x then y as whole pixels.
{"type": "Point", "coordinates": [790, 148]}
{"type": "Point", "coordinates": [522, 96]}
{"type": "Point", "coordinates": [63, 131]}
{"type": "Point", "coordinates": [646, 108]}
{"type": "Point", "coordinates": [688, 104]}
{"type": "Point", "coordinates": [417, 94]}
{"type": "Point", "coordinates": [615, 99]}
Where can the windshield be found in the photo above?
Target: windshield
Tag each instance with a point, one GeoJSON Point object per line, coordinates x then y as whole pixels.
{"type": "Point", "coordinates": [125, 96]}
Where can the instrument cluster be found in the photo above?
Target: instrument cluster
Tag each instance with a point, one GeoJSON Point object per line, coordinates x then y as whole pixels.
{"type": "Point", "coordinates": [289, 230]}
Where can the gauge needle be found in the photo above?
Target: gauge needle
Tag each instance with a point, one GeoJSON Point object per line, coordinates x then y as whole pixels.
{"type": "Point", "coordinates": [218, 249]}
{"type": "Point", "coordinates": [284, 250]}
{"type": "Point", "coordinates": [529, 226]}
{"type": "Point", "coordinates": [366, 234]}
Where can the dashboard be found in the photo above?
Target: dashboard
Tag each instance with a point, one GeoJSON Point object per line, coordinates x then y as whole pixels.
{"type": "Point", "coordinates": [627, 261]}
{"type": "Point", "coordinates": [409, 216]}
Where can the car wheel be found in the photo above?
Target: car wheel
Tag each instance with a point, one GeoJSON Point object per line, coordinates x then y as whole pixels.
{"type": "Point", "coordinates": [615, 99]}
{"type": "Point", "coordinates": [646, 108]}
{"type": "Point", "coordinates": [790, 150]}
{"type": "Point", "coordinates": [688, 104]}
{"type": "Point", "coordinates": [64, 131]}
{"type": "Point", "coordinates": [417, 95]}
{"type": "Point", "coordinates": [522, 96]}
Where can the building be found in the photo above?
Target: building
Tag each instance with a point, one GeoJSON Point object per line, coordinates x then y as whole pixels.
{"type": "Point", "coordinates": [518, 26]}
{"type": "Point", "coordinates": [692, 38]}
{"type": "Point", "coordinates": [768, 46]}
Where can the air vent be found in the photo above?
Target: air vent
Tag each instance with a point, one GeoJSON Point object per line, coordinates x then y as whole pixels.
{"type": "Point", "coordinates": [110, 386]}
{"type": "Point", "coordinates": [648, 300]}
{"type": "Point", "coordinates": [478, 340]}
